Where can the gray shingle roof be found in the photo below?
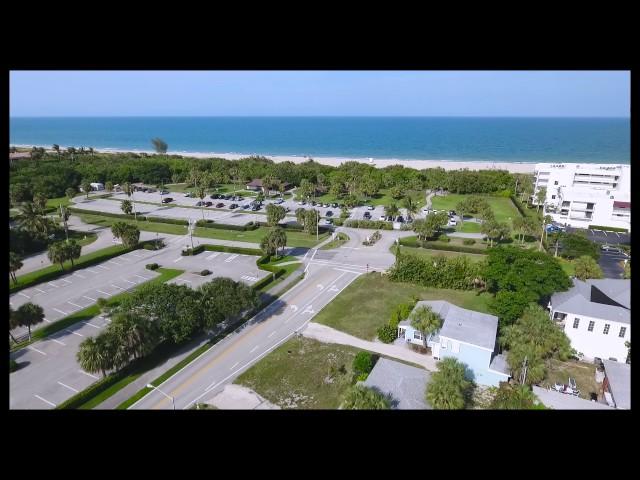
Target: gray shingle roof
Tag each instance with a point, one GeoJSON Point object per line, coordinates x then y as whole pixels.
{"type": "Point", "coordinates": [465, 325]}
{"type": "Point", "coordinates": [619, 375]}
{"type": "Point", "coordinates": [405, 384]}
{"type": "Point", "coordinates": [561, 401]}
{"type": "Point", "coordinates": [577, 300]}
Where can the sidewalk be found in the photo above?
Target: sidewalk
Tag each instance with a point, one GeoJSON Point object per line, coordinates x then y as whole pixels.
{"type": "Point", "coordinates": [329, 335]}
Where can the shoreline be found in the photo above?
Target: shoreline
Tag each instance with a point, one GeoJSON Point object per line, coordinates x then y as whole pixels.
{"type": "Point", "coordinates": [419, 164]}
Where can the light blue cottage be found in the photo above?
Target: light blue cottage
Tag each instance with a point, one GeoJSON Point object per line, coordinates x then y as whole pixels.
{"type": "Point", "coordinates": [468, 336]}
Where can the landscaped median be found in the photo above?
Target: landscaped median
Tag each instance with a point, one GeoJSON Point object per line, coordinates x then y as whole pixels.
{"type": "Point", "coordinates": [90, 312]}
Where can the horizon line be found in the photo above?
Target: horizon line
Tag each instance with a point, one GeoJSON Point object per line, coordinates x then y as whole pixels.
{"type": "Point", "coordinates": [318, 116]}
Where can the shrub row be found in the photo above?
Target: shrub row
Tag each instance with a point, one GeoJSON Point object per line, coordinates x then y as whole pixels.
{"type": "Point", "coordinates": [152, 266]}
{"type": "Point", "coordinates": [373, 224]}
{"type": "Point", "coordinates": [142, 218]}
{"type": "Point", "coordinates": [415, 243]}
{"type": "Point", "coordinates": [193, 251]}
{"type": "Point", "coordinates": [468, 241]}
{"type": "Point", "coordinates": [225, 226]}
{"type": "Point", "coordinates": [90, 392]}
{"type": "Point", "coordinates": [439, 272]}
{"type": "Point", "coordinates": [228, 249]}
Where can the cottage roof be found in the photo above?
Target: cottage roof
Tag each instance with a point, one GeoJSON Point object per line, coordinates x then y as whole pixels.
{"type": "Point", "coordinates": [587, 297]}
{"type": "Point", "coordinates": [562, 401]}
{"type": "Point", "coordinates": [405, 384]}
{"type": "Point", "coordinates": [619, 376]}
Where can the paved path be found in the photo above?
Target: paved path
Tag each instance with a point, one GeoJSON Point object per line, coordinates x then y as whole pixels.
{"type": "Point", "coordinates": [330, 335]}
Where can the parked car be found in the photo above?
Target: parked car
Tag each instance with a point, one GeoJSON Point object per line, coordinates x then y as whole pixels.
{"type": "Point", "coordinates": [208, 204]}
{"type": "Point", "coordinates": [214, 196]}
{"type": "Point", "coordinates": [452, 223]}
{"type": "Point", "coordinates": [255, 208]}
{"type": "Point", "coordinates": [452, 212]}
{"type": "Point", "coordinates": [220, 205]}
{"type": "Point", "coordinates": [334, 205]}
{"type": "Point", "coordinates": [199, 203]}
{"type": "Point", "coordinates": [426, 211]}
{"type": "Point", "coordinates": [609, 248]}
{"type": "Point", "coordinates": [382, 218]}
{"type": "Point", "coordinates": [246, 206]}
{"type": "Point", "coordinates": [233, 205]}
{"type": "Point", "coordinates": [279, 201]}
{"type": "Point", "coordinates": [370, 207]}
{"type": "Point", "coordinates": [301, 202]}
{"type": "Point", "coordinates": [367, 215]}
{"type": "Point", "coordinates": [164, 192]}
{"type": "Point", "coordinates": [187, 194]}
{"type": "Point", "coordinates": [329, 213]}
{"type": "Point", "coordinates": [167, 200]}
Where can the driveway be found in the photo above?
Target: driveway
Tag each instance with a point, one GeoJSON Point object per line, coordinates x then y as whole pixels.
{"type": "Point", "coordinates": [610, 263]}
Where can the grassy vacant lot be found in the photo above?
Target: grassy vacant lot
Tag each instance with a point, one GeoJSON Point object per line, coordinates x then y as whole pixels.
{"type": "Point", "coordinates": [501, 206]}
{"type": "Point", "coordinates": [584, 373]}
{"type": "Point", "coordinates": [83, 238]}
{"type": "Point", "coordinates": [367, 303]}
{"type": "Point", "coordinates": [224, 188]}
{"type": "Point", "coordinates": [341, 239]}
{"type": "Point", "coordinates": [294, 239]}
{"type": "Point", "coordinates": [381, 198]}
{"type": "Point", "coordinates": [303, 373]}
{"type": "Point", "coordinates": [142, 225]}
{"type": "Point", "coordinates": [468, 227]}
{"type": "Point", "coordinates": [567, 265]}
{"type": "Point", "coordinates": [56, 202]}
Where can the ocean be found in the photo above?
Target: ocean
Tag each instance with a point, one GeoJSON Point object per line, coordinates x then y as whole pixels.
{"type": "Point", "coordinates": [530, 140]}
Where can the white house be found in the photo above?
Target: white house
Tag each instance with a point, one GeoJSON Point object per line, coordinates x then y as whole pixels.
{"type": "Point", "coordinates": [466, 335]}
{"type": "Point", "coordinates": [617, 384]}
{"type": "Point", "coordinates": [596, 316]}
{"type": "Point", "coordinates": [581, 195]}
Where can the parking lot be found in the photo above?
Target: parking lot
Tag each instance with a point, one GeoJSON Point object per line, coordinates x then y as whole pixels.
{"type": "Point", "coordinates": [80, 289]}
{"type": "Point", "coordinates": [610, 263]}
{"type": "Point", "coordinates": [600, 236]}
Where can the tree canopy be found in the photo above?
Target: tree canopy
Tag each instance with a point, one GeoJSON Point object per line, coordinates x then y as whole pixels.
{"type": "Point", "coordinates": [449, 388]}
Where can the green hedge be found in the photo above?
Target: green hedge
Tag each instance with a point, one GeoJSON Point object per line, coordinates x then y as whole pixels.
{"type": "Point", "coordinates": [608, 229]}
{"type": "Point", "coordinates": [373, 224]}
{"type": "Point", "coordinates": [141, 218]}
{"type": "Point", "coordinates": [225, 226]}
{"type": "Point", "coordinates": [413, 242]}
{"type": "Point", "coordinates": [92, 391]}
{"type": "Point", "coordinates": [230, 249]}
{"type": "Point", "coordinates": [193, 251]}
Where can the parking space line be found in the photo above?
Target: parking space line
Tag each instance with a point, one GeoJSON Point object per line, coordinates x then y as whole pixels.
{"type": "Point", "coordinates": [78, 275]}
{"type": "Point", "coordinates": [60, 311]}
{"type": "Point", "coordinates": [116, 286]}
{"type": "Point", "coordinates": [58, 341]}
{"type": "Point", "coordinates": [91, 325]}
{"type": "Point", "coordinates": [271, 334]}
{"type": "Point", "coordinates": [103, 267]}
{"type": "Point", "coordinates": [89, 298]}
{"type": "Point", "coordinates": [41, 291]}
{"type": "Point", "coordinates": [75, 333]}
{"type": "Point", "coordinates": [234, 365]}
{"type": "Point", "coordinates": [231, 258]}
{"type": "Point", "coordinates": [88, 374]}
{"type": "Point", "coordinates": [75, 305]}
{"type": "Point", "coordinates": [65, 280]}
{"type": "Point", "coordinates": [178, 259]}
{"type": "Point", "coordinates": [31, 347]}
{"type": "Point", "coordinates": [67, 386]}
{"type": "Point", "coordinates": [45, 401]}
{"type": "Point", "coordinates": [139, 256]}
{"type": "Point", "coordinates": [107, 294]}
{"type": "Point", "coordinates": [46, 320]}
{"type": "Point", "coordinates": [53, 285]}
{"type": "Point", "coordinates": [129, 281]}
{"type": "Point", "coordinates": [140, 276]}
{"type": "Point", "coordinates": [111, 261]}
{"type": "Point", "coordinates": [27, 296]}
{"type": "Point", "coordinates": [617, 234]}
{"type": "Point", "coordinates": [254, 349]}
{"type": "Point", "coordinates": [92, 271]}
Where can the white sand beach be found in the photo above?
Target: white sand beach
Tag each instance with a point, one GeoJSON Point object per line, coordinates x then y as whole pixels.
{"type": "Point", "coordinates": [377, 162]}
{"type": "Point", "coordinates": [513, 167]}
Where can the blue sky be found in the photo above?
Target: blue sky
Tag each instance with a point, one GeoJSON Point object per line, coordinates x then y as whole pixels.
{"type": "Point", "coordinates": [401, 93]}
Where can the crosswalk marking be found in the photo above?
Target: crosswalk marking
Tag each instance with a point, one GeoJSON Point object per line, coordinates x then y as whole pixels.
{"type": "Point", "coordinates": [232, 258]}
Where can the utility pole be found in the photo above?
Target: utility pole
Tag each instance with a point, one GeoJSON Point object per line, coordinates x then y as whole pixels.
{"type": "Point", "coordinates": [63, 215]}
{"type": "Point", "coordinates": [524, 371]}
{"type": "Point", "coordinates": [191, 231]}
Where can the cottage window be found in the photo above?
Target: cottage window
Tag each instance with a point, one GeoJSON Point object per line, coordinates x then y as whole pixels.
{"type": "Point", "coordinates": [606, 329]}
{"type": "Point", "coordinates": [623, 330]}
{"type": "Point", "coordinates": [443, 345]}
{"type": "Point", "coordinates": [576, 322]}
{"type": "Point", "coordinates": [591, 325]}
{"type": "Point", "coordinates": [417, 335]}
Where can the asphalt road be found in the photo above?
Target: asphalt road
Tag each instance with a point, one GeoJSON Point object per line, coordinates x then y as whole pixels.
{"type": "Point", "coordinates": [610, 264]}
{"type": "Point", "coordinates": [600, 236]}
{"type": "Point", "coordinates": [207, 375]}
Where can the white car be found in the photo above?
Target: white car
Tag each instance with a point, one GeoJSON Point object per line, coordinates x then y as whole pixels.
{"type": "Point", "coordinates": [452, 223]}
{"type": "Point", "coordinates": [370, 207]}
{"type": "Point", "coordinates": [382, 218]}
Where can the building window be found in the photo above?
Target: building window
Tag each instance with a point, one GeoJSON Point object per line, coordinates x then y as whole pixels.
{"type": "Point", "coordinates": [591, 325]}
{"type": "Point", "coordinates": [576, 322]}
{"type": "Point", "coordinates": [556, 182]}
{"type": "Point", "coordinates": [623, 330]}
{"type": "Point", "coordinates": [417, 335]}
{"type": "Point", "coordinates": [553, 197]}
{"type": "Point", "coordinates": [606, 329]}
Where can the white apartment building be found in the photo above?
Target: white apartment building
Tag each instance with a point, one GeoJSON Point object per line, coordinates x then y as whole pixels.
{"type": "Point", "coordinates": [596, 316]}
{"type": "Point", "coordinates": [580, 195]}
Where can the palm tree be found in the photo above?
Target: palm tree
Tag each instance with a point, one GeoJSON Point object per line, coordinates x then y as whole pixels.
{"type": "Point", "coordinates": [29, 314]}
{"type": "Point", "coordinates": [426, 321]}
{"type": "Point", "coordinates": [70, 192]}
{"type": "Point", "coordinates": [449, 389]}
{"type": "Point", "coordinates": [91, 151]}
{"type": "Point", "coordinates": [541, 195]}
{"type": "Point", "coordinates": [587, 267]}
{"type": "Point", "coordinates": [234, 173]}
{"type": "Point", "coordinates": [96, 354]}
{"type": "Point", "coordinates": [56, 148]}
{"type": "Point", "coordinates": [30, 219]}
{"type": "Point", "coordinates": [159, 145]}
{"type": "Point", "coordinates": [118, 229]}
{"type": "Point", "coordinates": [300, 215]}
{"type": "Point", "coordinates": [135, 333]}
{"type": "Point", "coordinates": [279, 238]}
{"type": "Point", "coordinates": [86, 187]}
{"type": "Point", "coordinates": [72, 251]}
{"type": "Point", "coordinates": [201, 192]}
{"type": "Point", "coordinates": [126, 207]}
{"type": "Point", "coordinates": [519, 227]}
{"type": "Point", "coordinates": [57, 253]}
{"type": "Point", "coordinates": [545, 221]}
{"type": "Point", "coordinates": [127, 188]}
{"type": "Point", "coordinates": [391, 210]}
{"type": "Point", "coordinates": [514, 397]}
{"type": "Point", "coordinates": [108, 186]}
{"type": "Point", "coordinates": [410, 206]}
{"type": "Point", "coordinates": [15, 264]}
{"type": "Point", "coordinates": [359, 397]}
{"type": "Point", "coordinates": [64, 217]}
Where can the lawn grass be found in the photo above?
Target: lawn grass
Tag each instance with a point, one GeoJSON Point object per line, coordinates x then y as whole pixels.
{"type": "Point", "coordinates": [56, 202]}
{"type": "Point", "coordinates": [294, 239]}
{"type": "Point", "coordinates": [584, 374]}
{"type": "Point", "coordinates": [303, 374]}
{"type": "Point", "coordinates": [341, 239]}
{"type": "Point", "coordinates": [98, 219]}
{"type": "Point", "coordinates": [82, 238]}
{"type": "Point", "coordinates": [567, 265]}
{"type": "Point", "coordinates": [366, 304]}
{"type": "Point", "coordinates": [468, 227]}
{"type": "Point", "coordinates": [223, 188]}
{"type": "Point", "coordinates": [383, 197]}
{"type": "Point", "coordinates": [92, 311]}
{"type": "Point", "coordinates": [54, 271]}
{"type": "Point", "coordinates": [502, 207]}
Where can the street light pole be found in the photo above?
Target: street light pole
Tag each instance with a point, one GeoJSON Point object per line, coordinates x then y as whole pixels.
{"type": "Point", "coordinates": [168, 396]}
